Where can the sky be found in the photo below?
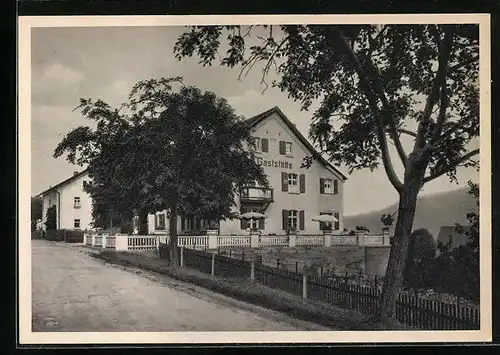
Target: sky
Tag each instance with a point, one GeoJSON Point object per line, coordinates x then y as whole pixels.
{"type": "Point", "coordinates": [105, 62]}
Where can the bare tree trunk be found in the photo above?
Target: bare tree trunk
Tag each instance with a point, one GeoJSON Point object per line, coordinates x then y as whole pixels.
{"type": "Point", "coordinates": [399, 250]}
{"type": "Point", "coordinates": [143, 222]}
{"type": "Point", "coordinates": [174, 257]}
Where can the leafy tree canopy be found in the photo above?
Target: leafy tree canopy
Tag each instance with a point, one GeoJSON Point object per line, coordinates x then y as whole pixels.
{"type": "Point", "coordinates": [375, 84]}
{"type": "Point", "coordinates": [164, 146]}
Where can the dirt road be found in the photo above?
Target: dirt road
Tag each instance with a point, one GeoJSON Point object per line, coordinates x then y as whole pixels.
{"type": "Point", "coordinates": [74, 292]}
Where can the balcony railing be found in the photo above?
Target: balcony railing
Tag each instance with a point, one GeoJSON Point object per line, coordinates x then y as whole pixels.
{"type": "Point", "coordinates": [256, 194]}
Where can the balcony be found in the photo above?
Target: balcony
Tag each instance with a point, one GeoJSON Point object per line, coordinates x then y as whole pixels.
{"type": "Point", "coordinates": [256, 194]}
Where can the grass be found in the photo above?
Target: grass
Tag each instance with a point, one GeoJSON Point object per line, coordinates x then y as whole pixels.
{"type": "Point", "coordinates": [248, 291]}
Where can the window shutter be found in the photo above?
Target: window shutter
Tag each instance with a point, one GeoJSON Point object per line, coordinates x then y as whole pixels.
{"type": "Point", "coordinates": [265, 145]}
{"type": "Point", "coordinates": [183, 223]}
{"type": "Point", "coordinates": [301, 220]}
{"type": "Point", "coordinates": [335, 186]}
{"type": "Point", "coordinates": [284, 214]}
{"type": "Point", "coordinates": [244, 224]}
{"type": "Point", "coordinates": [284, 181]}
{"type": "Point", "coordinates": [197, 224]}
{"type": "Point", "coordinates": [321, 185]}
{"type": "Point", "coordinates": [337, 224]}
{"type": "Point", "coordinates": [302, 183]}
{"type": "Point", "coordinates": [282, 147]}
{"type": "Point", "coordinates": [262, 223]}
{"type": "Point", "coordinates": [156, 221]}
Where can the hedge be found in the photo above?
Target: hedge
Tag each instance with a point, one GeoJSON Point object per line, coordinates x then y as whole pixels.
{"type": "Point", "coordinates": [65, 235]}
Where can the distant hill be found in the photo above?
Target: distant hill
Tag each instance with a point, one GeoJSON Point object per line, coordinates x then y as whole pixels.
{"type": "Point", "coordinates": [433, 211]}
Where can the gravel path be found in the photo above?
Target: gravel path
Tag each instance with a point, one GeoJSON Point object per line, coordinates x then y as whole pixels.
{"type": "Point", "coordinates": [72, 291]}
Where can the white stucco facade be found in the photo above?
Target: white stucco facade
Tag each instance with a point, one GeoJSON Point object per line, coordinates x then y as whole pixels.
{"type": "Point", "coordinates": [73, 204]}
{"type": "Point", "coordinates": [306, 199]}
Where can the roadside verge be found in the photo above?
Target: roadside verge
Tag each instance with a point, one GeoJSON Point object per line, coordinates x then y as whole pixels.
{"type": "Point", "coordinates": [245, 290]}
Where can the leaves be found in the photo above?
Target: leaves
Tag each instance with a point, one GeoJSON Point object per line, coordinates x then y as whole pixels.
{"type": "Point", "coordinates": [173, 141]}
{"type": "Point", "coordinates": [399, 64]}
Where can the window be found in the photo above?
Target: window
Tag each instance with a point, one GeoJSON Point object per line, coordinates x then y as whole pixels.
{"type": "Point", "coordinates": [329, 186]}
{"type": "Point", "coordinates": [76, 223]}
{"type": "Point", "coordinates": [293, 185]}
{"type": "Point", "coordinates": [76, 202]}
{"type": "Point", "coordinates": [257, 145]}
{"type": "Point", "coordinates": [293, 219]}
{"type": "Point", "coordinates": [285, 148]}
{"type": "Point", "coordinates": [160, 221]}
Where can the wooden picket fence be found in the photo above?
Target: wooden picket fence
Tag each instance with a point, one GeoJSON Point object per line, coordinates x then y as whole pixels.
{"type": "Point", "coordinates": [338, 291]}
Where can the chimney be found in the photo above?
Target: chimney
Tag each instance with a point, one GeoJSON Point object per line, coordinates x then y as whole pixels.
{"type": "Point", "coordinates": [75, 173]}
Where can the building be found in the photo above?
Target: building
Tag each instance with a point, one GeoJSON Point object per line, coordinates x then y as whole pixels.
{"type": "Point", "coordinates": [295, 195]}
{"type": "Point", "coordinates": [73, 204]}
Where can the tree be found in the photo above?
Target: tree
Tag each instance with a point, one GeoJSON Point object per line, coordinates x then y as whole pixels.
{"type": "Point", "coordinates": [182, 150]}
{"type": "Point", "coordinates": [51, 218]}
{"type": "Point", "coordinates": [387, 221]}
{"type": "Point", "coordinates": [36, 211]}
{"type": "Point", "coordinates": [378, 82]}
{"type": "Point", "coordinates": [458, 272]}
{"type": "Point", "coordinates": [419, 268]}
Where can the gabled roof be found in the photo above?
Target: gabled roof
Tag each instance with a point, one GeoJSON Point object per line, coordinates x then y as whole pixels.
{"type": "Point", "coordinates": [447, 233]}
{"type": "Point", "coordinates": [253, 121]}
{"type": "Point", "coordinates": [64, 182]}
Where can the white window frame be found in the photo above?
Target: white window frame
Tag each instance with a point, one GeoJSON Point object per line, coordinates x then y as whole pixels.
{"type": "Point", "coordinates": [288, 149]}
{"type": "Point", "coordinates": [159, 227]}
{"type": "Point", "coordinates": [293, 219]}
{"type": "Point", "coordinates": [79, 223]}
{"type": "Point", "coordinates": [293, 183]}
{"type": "Point", "coordinates": [328, 186]}
{"type": "Point", "coordinates": [77, 202]}
{"type": "Point", "coordinates": [257, 143]}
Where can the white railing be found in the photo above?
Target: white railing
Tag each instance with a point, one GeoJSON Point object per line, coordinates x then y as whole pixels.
{"type": "Point", "coordinates": [142, 242]}
{"type": "Point", "coordinates": [98, 241]}
{"type": "Point", "coordinates": [344, 239]}
{"type": "Point", "coordinates": [193, 242]}
{"type": "Point", "coordinates": [233, 241]}
{"type": "Point", "coordinates": [88, 239]}
{"type": "Point", "coordinates": [374, 240]}
{"type": "Point", "coordinates": [111, 242]}
{"type": "Point", "coordinates": [313, 240]}
{"type": "Point", "coordinates": [273, 241]}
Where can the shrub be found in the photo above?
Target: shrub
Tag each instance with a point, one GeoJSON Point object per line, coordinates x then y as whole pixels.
{"type": "Point", "coordinates": [65, 235]}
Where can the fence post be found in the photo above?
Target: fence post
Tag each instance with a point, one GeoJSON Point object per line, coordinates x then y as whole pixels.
{"type": "Point", "coordinates": [327, 240]}
{"type": "Point", "coordinates": [93, 240]}
{"type": "Point", "coordinates": [254, 240]}
{"type": "Point", "coordinates": [304, 286]}
{"type": "Point", "coordinates": [277, 263]}
{"type": "Point", "coordinates": [252, 271]}
{"type": "Point", "coordinates": [104, 240]}
{"type": "Point", "coordinates": [213, 265]}
{"type": "Point", "coordinates": [182, 256]}
{"type": "Point", "coordinates": [292, 240]}
{"type": "Point", "coordinates": [260, 259]}
{"type": "Point", "coordinates": [229, 253]}
{"type": "Point", "coordinates": [212, 241]}
{"type": "Point", "coordinates": [242, 256]}
{"type": "Point", "coordinates": [121, 241]}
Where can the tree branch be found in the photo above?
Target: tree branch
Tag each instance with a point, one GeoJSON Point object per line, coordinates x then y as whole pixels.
{"type": "Point", "coordinates": [408, 132]}
{"type": "Point", "coordinates": [439, 79]}
{"type": "Point", "coordinates": [372, 99]}
{"type": "Point", "coordinates": [451, 166]}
